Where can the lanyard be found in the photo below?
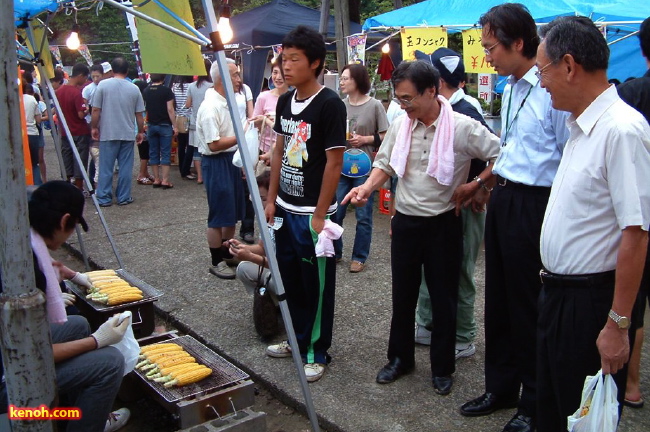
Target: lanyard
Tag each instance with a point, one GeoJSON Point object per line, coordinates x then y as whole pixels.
{"type": "Point", "coordinates": [508, 123]}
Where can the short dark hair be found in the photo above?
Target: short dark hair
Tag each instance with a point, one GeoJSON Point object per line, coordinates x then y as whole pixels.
{"type": "Point", "coordinates": [97, 68]}
{"type": "Point", "coordinates": [264, 179]}
{"type": "Point", "coordinates": [310, 42]}
{"type": "Point", "coordinates": [27, 87]}
{"type": "Point", "coordinates": [50, 201]}
{"type": "Point", "coordinates": [509, 22]}
{"type": "Point", "coordinates": [359, 73]}
{"type": "Point", "coordinates": [58, 76]}
{"type": "Point", "coordinates": [644, 37]}
{"type": "Point", "coordinates": [421, 73]}
{"type": "Point", "coordinates": [579, 37]}
{"type": "Point", "coordinates": [120, 65]}
{"type": "Point", "coordinates": [157, 77]}
{"type": "Point", "coordinates": [205, 78]}
{"type": "Point", "coordinates": [80, 69]}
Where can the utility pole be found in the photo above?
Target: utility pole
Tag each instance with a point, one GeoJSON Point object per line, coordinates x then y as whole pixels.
{"type": "Point", "coordinates": [324, 17]}
{"type": "Point", "coordinates": [24, 331]}
{"type": "Point", "coordinates": [342, 27]}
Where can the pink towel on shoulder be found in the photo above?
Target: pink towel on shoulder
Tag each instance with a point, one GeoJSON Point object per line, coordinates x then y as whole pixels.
{"type": "Point", "coordinates": [441, 154]}
{"type": "Point", "coordinates": [54, 303]}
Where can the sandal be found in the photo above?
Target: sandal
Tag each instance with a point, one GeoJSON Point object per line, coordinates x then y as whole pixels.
{"type": "Point", "coordinates": [199, 182]}
{"type": "Point", "coordinates": [156, 185]}
{"type": "Point", "coordinates": [167, 186]}
{"type": "Point", "coordinates": [144, 181]}
{"type": "Point", "coordinates": [190, 177]}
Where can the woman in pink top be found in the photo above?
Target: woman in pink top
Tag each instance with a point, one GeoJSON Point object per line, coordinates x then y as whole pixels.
{"type": "Point", "coordinates": [264, 112]}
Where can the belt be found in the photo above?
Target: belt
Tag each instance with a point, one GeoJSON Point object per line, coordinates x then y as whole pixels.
{"type": "Point", "coordinates": [504, 182]}
{"type": "Point", "coordinates": [553, 280]}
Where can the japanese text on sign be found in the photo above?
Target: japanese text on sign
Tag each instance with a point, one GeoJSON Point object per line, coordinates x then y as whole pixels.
{"type": "Point", "coordinates": [423, 39]}
{"type": "Point", "coordinates": [473, 54]}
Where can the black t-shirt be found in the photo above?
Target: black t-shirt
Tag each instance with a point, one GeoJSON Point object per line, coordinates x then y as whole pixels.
{"type": "Point", "coordinates": [320, 126]}
{"type": "Point", "coordinates": [155, 98]}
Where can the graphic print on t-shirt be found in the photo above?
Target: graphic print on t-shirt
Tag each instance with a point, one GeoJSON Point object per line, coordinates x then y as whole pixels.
{"type": "Point", "coordinates": [292, 178]}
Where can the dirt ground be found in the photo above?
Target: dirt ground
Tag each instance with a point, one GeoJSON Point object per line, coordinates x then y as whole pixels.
{"type": "Point", "coordinates": [149, 416]}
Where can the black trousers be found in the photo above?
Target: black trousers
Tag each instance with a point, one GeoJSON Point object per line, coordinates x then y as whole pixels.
{"type": "Point", "coordinates": [512, 285]}
{"type": "Point", "coordinates": [435, 244]}
{"type": "Point", "coordinates": [570, 320]}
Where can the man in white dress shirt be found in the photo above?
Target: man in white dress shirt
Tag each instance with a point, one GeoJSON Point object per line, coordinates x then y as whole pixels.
{"type": "Point", "coordinates": [594, 238]}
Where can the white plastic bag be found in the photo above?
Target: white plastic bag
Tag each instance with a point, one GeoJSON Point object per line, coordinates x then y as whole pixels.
{"type": "Point", "coordinates": [598, 411]}
{"type": "Point", "coordinates": [252, 146]}
{"type": "Point", "coordinates": [128, 346]}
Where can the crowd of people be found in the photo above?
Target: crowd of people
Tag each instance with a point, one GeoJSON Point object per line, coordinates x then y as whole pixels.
{"type": "Point", "coordinates": [558, 199]}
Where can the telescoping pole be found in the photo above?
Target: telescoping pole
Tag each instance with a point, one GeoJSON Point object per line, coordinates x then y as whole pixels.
{"type": "Point", "coordinates": [249, 170]}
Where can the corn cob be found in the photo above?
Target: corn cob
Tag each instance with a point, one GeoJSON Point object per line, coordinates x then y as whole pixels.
{"type": "Point", "coordinates": [126, 298]}
{"type": "Point", "coordinates": [157, 372]}
{"type": "Point", "coordinates": [150, 362]}
{"type": "Point", "coordinates": [161, 360]}
{"type": "Point", "coordinates": [115, 290]}
{"type": "Point", "coordinates": [155, 347]}
{"type": "Point", "coordinates": [116, 282]}
{"type": "Point", "coordinates": [156, 355]}
{"type": "Point", "coordinates": [183, 369]}
{"type": "Point", "coordinates": [189, 377]}
{"type": "Point", "coordinates": [101, 273]}
{"type": "Point", "coordinates": [174, 361]}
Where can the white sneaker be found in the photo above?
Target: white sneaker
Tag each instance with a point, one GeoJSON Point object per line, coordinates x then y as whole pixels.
{"type": "Point", "coordinates": [280, 350]}
{"type": "Point", "coordinates": [222, 271]}
{"type": "Point", "coordinates": [465, 350]}
{"type": "Point", "coordinates": [117, 420]}
{"type": "Point", "coordinates": [422, 335]}
{"type": "Point", "coordinates": [314, 371]}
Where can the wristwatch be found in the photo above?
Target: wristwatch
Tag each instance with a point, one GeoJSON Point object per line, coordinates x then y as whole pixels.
{"type": "Point", "coordinates": [623, 322]}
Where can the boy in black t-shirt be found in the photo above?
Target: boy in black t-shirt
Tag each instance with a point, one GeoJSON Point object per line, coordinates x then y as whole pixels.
{"type": "Point", "coordinates": [305, 171]}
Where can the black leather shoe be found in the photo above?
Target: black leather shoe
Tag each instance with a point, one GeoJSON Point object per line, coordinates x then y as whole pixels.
{"type": "Point", "coordinates": [486, 404]}
{"type": "Point", "coordinates": [520, 423]}
{"type": "Point", "coordinates": [442, 385]}
{"type": "Point", "coordinates": [392, 371]}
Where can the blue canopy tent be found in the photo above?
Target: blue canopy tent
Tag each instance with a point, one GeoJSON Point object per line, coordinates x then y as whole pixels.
{"type": "Point", "coordinates": [267, 25]}
{"type": "Point", "coordinates": [625, 16]}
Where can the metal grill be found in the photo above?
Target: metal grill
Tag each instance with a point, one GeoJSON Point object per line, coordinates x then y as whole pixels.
{"type": "Point", "coordinates": [149, 293]}
{"type": "Point", "coordinates": [223, 373]}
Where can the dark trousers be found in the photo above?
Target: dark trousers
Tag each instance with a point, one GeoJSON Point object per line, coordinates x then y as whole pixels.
{"type": "Point", "coordinates": [181, 152]}
{"type": "Point", "coordinates": [433, 244]}
{"type": "Point", "coordinates": [309, 283]}
{"type": "Point", "coordinates": [512, 285]}
{"type": "Point", "coordinates": [248, 223]}
{"type": "Point", "coordinates": [570, 320]}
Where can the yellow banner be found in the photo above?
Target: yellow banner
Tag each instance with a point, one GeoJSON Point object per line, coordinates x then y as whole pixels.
{"type": "Point", "coordinates": [473, 54]}
{"type": "Point", "coordinates": [164, 52]}
{"type": "Point", "coordinates": [425, 39]}
{"type": "Point", "coordinates": [44, 51]}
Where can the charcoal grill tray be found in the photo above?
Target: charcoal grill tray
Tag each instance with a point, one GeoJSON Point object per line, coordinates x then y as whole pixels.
{"type": "Point", "coordinates": [149, 293]}
{"type": "Point", "coordinates": [223, 372]}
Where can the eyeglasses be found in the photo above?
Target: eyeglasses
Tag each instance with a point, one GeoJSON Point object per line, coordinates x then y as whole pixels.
{"type": "Point", "coordinates": [345, 78]}
{"type": "Point", "coordinates": [406, 102]}
{"type": "Point", "coordinates": [488, 50]}
{"type": "Point", "coordinates": [539, 71]}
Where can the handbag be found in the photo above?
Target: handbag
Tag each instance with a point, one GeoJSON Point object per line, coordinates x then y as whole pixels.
{"type": "Point", "coordinates": [598, 411]}
{"type": "Point", "coordinates": [182, 123]}
{"type": "Point", "coordinates": [265, 311]}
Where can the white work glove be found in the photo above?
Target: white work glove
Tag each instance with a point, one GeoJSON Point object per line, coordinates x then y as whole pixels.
{"type": "Point", "coordinates": [68, 299]}
{"type": "Point", "coordinates": [81, 279]}
{"type": "Point", "coordinates": [110, 332]}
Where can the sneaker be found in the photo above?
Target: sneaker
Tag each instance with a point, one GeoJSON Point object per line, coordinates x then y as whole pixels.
{"type": "Point", "coordinates": [280, 350]}
{"type": "Point", "coordinates": [465, 350]}
{"type": "Point", "coordinates": [422, 335]}
{"type": "Point", "coordinates": [222, 271]}
{"type": "Point", "coordinates": [249, 238]}
{"type": "Point", "coordinates": [106, 204]}
{"type": "Point", "coordinates": [356, 266]}
{"type": "Point", "coordinates": [127, 202]}
{"type": "Point", "coordinates": [314, 371]}
{"type": "Point", "coordinates": [117, 420]}
{"type": "Point", "coordinates": [232, 262]}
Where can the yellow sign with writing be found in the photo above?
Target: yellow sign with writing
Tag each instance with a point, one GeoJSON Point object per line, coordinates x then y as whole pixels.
{"type": "Point", "coordinates": [165, 52]}
{"type": "Point", "coordinates": [425, 39]}
{"type": "Point", "coordinates": [473, 53]}
{"type": "Point", "coordinates": [44, 50]}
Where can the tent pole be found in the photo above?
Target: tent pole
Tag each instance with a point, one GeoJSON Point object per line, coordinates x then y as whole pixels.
{"type": "Point", "coordinates": [324, 18]}
{"type": "Point", "coordinates": [24, 331]}
{"type": "Point", "coordinates": [249, 170]}
{"type": "Point", "coordinates": [57, 140]}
